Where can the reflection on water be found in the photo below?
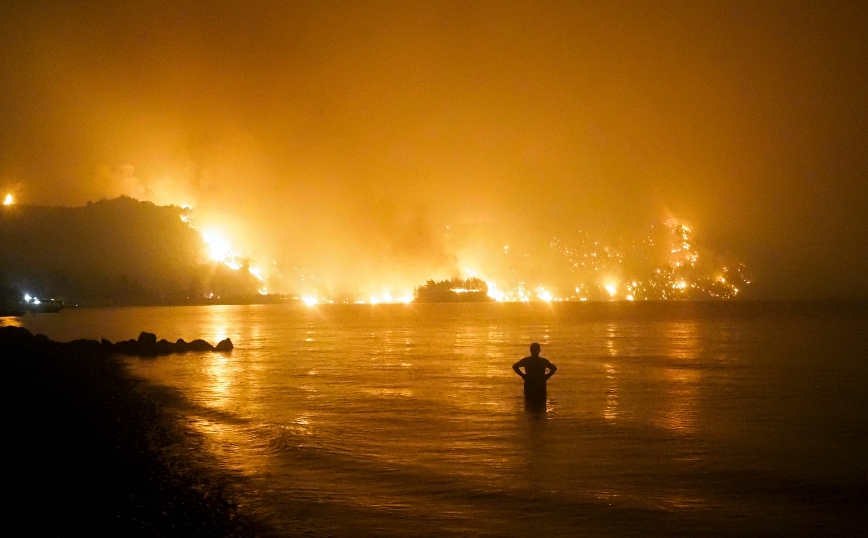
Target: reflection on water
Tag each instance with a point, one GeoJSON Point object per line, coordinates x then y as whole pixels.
{"type": "Point", "coordinates": [683, 381]}
{"type": "Point", "coordinates": [10, 321]}
{"type": "Point", "coordinates": [221, 377]}
{"type": "Point", "coordinates": [611, 412]}
{"type": "Point", "coordinates": [682, 398]}
{"type": "Point", "coordinates": [348, 418]}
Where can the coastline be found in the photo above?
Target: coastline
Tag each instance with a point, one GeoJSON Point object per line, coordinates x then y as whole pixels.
{"type": "Point", "coordinates": [89, 450]}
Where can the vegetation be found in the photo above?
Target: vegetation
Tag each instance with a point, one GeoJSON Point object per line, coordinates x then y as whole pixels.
{"type": "Point", "coordinates": [456, 290]}
{"type": "Point", "coordinates": [113, 252]}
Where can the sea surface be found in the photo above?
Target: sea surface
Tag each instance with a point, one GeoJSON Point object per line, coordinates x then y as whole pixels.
{"type": "Point", "coordinates": [664, 419]}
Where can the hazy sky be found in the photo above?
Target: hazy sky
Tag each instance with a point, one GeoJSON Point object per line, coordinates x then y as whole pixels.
{"type": "Point", "coordinates": [348, 135]}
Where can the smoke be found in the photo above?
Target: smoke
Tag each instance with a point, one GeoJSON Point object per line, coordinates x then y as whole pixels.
{"type": "Point", "coordinates": [368, 145]}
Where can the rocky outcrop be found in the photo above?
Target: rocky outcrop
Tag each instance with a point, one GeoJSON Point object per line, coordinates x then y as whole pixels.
{"type": "Point", "coordinates": [147, 345]}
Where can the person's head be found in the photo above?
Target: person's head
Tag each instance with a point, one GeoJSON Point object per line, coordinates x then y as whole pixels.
{"type": "Point", "coordinates": [535, 349]}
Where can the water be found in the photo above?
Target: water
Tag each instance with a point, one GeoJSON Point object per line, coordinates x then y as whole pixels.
{"type": "Point", "coordinates": [407, 420]}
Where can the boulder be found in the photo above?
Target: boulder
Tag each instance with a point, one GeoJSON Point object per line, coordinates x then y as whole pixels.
{"type": "Point", "coordinates": [147, 339]}
{"type": "Point", "coordinates": [84, 347]}
{"type": "Point", "coordinates": [164, 347]}
{"type": "Point", "coordinates": [181, 346]}
{"type": "Point", "coordinates": [127, 347]}
{"type": "Point", "coordinates": [200, 345]}
{"type": "Point", "coordinates": [107, 346]}
{"type": "Point", "coordinates": [16, 338]}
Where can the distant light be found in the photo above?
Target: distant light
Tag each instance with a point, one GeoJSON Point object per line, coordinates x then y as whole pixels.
{"type": "Point", "coordinates": [8, 200]}
{"type": "Point", "coordinates": [612, 289]}
{"type": "Point", "coordinates": [629, 297]}
{"type": "Point", "coordinates": [36, 301]}
{"type": "Point", "coordinates": [310, 301]}
{"type": "Point", "coordinates": [27, 297]}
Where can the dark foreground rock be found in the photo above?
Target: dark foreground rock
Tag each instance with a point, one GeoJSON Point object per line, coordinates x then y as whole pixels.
{"type": "Point", "coordinates": [84, 450]}
{"type": "Point", "coordinates": [146, 345]}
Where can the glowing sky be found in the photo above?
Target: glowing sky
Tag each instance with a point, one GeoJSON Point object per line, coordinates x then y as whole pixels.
{"type": "Point", "coordinates": [346, 137]}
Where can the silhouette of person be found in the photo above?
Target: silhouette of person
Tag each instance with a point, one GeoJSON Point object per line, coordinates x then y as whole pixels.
{"type": "Point", "coordinates": [537, 370]}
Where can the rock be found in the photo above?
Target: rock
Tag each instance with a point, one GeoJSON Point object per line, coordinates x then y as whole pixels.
{"type": "Point", "coordinates": [127, 347]}
{"type": "Point", "coordinates": [18, 339]}
{"type": "Point", "coordinates": [164, 347]}
{"type": "Point", "coordinates": [84, 347]}
{"type": "Point", "coordinates": [147, 339]}
{"type": "Point", "coordinates": [200, 345]}
{"type": "Point", "coordinates": [42, 340]}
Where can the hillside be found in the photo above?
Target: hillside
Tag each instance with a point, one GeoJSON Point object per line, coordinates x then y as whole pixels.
{"type": "Point", "coordinates": [119, 251]}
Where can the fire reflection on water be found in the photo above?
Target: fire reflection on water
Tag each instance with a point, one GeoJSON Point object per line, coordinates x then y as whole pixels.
{"type": "Point", "coordinates": [220, 375]}
{"type": "Point", "coordinates": [611, 412]}
{"type": "Point", "coordinates": [682, 380]}
{"type": "Point", "coordinates": [422, 395]}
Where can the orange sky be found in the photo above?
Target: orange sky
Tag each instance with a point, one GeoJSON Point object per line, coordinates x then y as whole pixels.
{"type": "Point", "coordinates": [342, 134]}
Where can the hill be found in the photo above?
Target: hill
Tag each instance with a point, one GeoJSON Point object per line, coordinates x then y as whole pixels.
{"type": "Point", "coordinates": [112, 252]}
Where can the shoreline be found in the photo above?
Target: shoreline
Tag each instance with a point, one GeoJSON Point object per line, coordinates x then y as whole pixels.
{"type": "Point", "coordinates": [89, 451]}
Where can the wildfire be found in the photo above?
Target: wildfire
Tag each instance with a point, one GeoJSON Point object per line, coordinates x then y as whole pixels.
{"type": "Point", "coordinates": [219, 249]}
{"type": "Point", "coordinates": [667, 264]}
{"type": "Point", "coordinates": [8, 200]}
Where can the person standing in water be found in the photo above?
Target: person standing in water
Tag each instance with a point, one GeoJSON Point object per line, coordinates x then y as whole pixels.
{"type": "Point", "coordinates": [537, 370]}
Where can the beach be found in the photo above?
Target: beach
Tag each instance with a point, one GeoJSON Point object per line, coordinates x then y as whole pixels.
{"type": "Point", "coordinates": [88, 450]}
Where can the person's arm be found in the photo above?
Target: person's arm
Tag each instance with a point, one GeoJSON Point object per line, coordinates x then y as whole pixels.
{"type": "Point", "coordinates": [517, 367]}
{"type": "Point", "coordinates": [552, 369]}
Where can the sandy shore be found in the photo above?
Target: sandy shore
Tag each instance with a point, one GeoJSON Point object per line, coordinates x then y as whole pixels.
{"type": "Point", "coordinates": [86, 451]}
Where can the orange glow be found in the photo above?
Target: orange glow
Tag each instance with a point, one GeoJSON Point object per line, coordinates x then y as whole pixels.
{"type": "Point", "coordinates": [8, 200]}
{"type": "Point", "coordinates": [218, 247]}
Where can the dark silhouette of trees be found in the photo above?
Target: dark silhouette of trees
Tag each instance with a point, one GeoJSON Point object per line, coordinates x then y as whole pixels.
{"type": "Point", "coordinates": [456, 290]}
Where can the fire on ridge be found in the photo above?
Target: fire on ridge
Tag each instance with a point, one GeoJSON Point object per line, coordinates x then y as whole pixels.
{"type": "Point", "coordinates": [666, 264]}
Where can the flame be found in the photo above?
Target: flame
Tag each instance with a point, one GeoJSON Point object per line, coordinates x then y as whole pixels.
{"type": "Point", "coordinates": [664, 265]}
{"type": "Point", "coordinates": [544, 295]}
{"type": "Point", "coordinates": [9, 200]}
{"type": "Point", "coordinates": [218, 246]}
{"type": "Point", "coordinates": [493, 292]}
